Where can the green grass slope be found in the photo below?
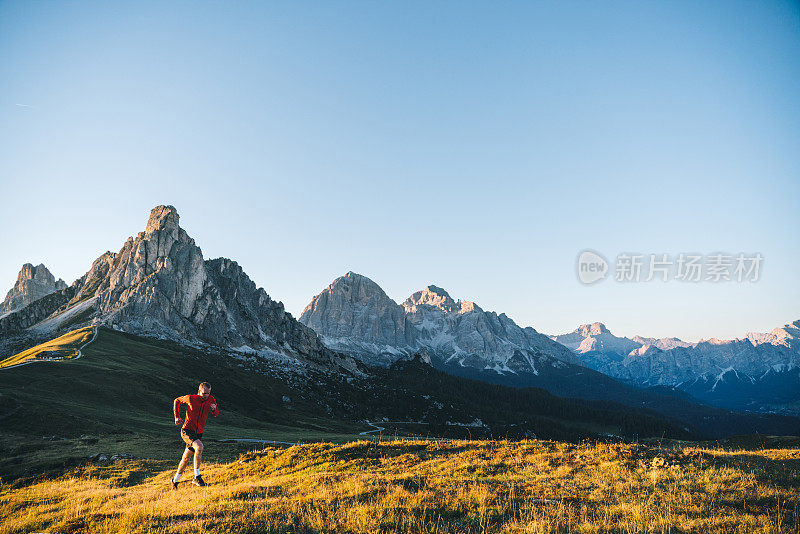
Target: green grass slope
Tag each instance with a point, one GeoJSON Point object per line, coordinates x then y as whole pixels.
{"type": "Point", "coordinates": [118, 398]}
{"type": "Point", "coordinates": [126, 384]}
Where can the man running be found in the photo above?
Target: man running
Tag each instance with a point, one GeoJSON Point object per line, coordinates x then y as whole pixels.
{"type": "Point", "coordinates": [197, 408]}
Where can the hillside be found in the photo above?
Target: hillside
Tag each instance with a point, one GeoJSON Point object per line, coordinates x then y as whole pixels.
{"type": "Point", "coordinates": [118, 396]}
{"type": "Point", "coordinates": [61, 348]}
{"type": "Point", "coordinates": [422, 486]}
{"type": "Point", "coordinates": [121, 390]}
{"type": "Point", "coordinates": [126, 383]}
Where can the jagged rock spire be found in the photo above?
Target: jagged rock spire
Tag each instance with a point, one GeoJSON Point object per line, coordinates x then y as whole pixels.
{"type": "Point", "coordinates": [160, 284]}
{"type": "Point", "coordinates": [33, 283]}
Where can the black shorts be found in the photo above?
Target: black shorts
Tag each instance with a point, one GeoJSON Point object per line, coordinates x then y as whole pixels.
{"type": "Point", "coordinates": [189, 437]}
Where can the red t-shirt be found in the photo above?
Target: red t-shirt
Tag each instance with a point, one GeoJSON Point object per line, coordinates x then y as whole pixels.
{"type": "Point", "coordinates": [197, 410]}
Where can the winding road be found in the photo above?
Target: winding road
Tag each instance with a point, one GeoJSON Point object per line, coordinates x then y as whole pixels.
{"type": "Point", "coordinates": [94, 335]}
{"type": "Point", "coordinates": [376, 427]}
{"type": "Point", "coordinates": [380, 428]}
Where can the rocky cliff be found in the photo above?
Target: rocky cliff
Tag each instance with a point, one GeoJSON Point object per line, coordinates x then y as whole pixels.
{"type": "Point", "coordinates": [354, 315]}
{"type": "Point", "coordinates": [33, 283]}
{"type": "Point", "coordinates": [159, 284]}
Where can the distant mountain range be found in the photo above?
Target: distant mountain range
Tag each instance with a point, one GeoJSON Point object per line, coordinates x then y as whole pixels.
{"type": "Point", "coordinates": [159, 285]}
{"type": "Point", "coordinates": [760, 372]}
{"type": "Point", "coordinates": [354, 315]}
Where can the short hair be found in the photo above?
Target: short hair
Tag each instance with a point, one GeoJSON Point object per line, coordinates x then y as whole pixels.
{"type": "Point", "coordinates": [204, 385]}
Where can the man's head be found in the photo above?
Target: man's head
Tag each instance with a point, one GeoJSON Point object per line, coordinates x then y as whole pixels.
{"type": "Point", "coordinates": [204, 390]}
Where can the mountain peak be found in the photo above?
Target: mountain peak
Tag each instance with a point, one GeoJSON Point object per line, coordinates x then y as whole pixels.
{"type": "Point", "coordinates": [594, 329]}
{"type": "Point", "coordinates": [162, 218]}
{"type": "Point", "coordinates": [40, 273]}
{"type": "Point", "coordinates": [363, 286]}
{"type": "Point", "coordinates": [33, 283]}
{"type": "Point", "coordinates": [466, 306]}
{"type": "Point", "coordinates": [352, 275]}
{"type": "Point", "coordinates": [379, 331]}
{"type": "Point", "coordinates": [160, 284]}
{"type": "Point", "coordinates": [354, 309]}
{"type": "Point", "coordinates": [432, 296]}
{"type": "Point", "coordinates": [436, 290]}
{"type": "Point", "coordinates": [350, 287]}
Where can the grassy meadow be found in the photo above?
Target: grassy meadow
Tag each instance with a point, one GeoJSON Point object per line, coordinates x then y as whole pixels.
{"type": "Point", "coordinates": [426, 486]}
{"type": "Point", "coordinates": [89, 445]}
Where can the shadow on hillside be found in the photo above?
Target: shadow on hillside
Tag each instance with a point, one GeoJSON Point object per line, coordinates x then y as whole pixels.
{"type": "Point", "coordinates": [375, 450]}
{"type": "Point", "coordinates": [125, 473]}
{"type": "Point", "coordinates": [783, 471]}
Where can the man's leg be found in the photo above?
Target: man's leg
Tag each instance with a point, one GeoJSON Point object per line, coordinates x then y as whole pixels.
{"type": "Point", "coordinates": [184, 461]}
{"type": "Point", "coordinates": [198, 455]}
{"type": "Point", "coordinates": [181, 466]}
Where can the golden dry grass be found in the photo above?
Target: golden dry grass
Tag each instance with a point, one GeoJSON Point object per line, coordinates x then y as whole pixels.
{"type": "Point", "coordinates": [66, 346]}
{"type": "Point", "coordinates": [420, 486]}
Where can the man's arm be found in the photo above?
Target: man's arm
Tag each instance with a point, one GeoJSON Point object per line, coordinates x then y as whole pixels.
{"type": "Point", "coordinates": [176, 408]}
{"type": "Point", "coordinates": [214, 406]}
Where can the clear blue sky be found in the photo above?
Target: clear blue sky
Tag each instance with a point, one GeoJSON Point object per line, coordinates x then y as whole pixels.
{"type": "Point", "coordinates": [476, 146]}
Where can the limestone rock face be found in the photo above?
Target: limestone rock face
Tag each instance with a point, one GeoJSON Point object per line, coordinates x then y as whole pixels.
{"type": "Point", "coordinates": [596, 337]}
{"type": "Point", "coordinates": [355, 316]}
{"type": "Point", "coordinates": [593, 329]}
{"type": "Point", "coordinates": [33, 283]}
{"type": "Point", "coordinates": [664, 343]}
{"type": "Point", "coordinates": [432, 296]}
{"type": "Point", "coordinates": [157, 281]}
{"type": "Point", "coordinates": [160, 284]}
{"type": "Point", "coordinates": [753, 358]}
{"type": "Point", "coordinates": [256, 318]}
{"type": "Point", "coordinates": [15, 322]}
